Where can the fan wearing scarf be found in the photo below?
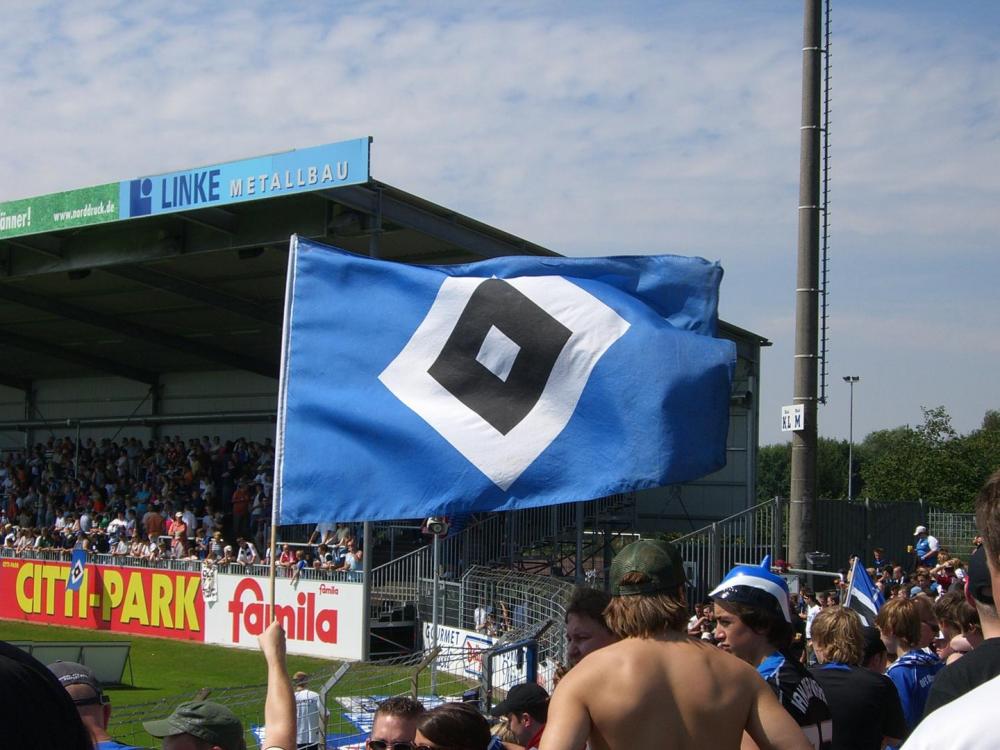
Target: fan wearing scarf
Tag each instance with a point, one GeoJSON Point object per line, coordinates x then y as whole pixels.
{"type": "Point", "coordinates": [754, 623]}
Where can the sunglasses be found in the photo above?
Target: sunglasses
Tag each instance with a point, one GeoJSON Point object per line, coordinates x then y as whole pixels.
{"type": "Point", "coordinates": [383, 745]}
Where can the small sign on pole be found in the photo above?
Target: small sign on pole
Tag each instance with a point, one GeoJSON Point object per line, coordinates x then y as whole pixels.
{"type": "Point", "coordinates": [793, 418]}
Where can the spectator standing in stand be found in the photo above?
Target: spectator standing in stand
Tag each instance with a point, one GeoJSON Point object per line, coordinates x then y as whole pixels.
{"type": "Point", "coordinates": [91, 703]}
{"type": "Point", "coordinates": [982, 663]}
{"type": "Point", "coordinates": [656, 682]}
{"type": "Point", "coordinates": [866, 710]}
{"type": "Point", "coordinates": [914, 670]}
{"type": "Point", "coordinates": [925, 547]}
{"type": "Point", "coordinates": [755, 623]}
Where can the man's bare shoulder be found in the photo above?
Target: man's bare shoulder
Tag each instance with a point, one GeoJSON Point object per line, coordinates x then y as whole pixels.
{"type": "Point", "coordinates": [641, 654]}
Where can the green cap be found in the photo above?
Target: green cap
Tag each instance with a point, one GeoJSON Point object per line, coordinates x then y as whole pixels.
{"type": "Point", "coordinates": [659, 561]}
{"type": "Point", "coordinates": [205, 720]}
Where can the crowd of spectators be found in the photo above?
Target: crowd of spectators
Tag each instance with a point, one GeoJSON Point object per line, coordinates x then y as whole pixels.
{"type": "Point", "coordinates": [202, 499]}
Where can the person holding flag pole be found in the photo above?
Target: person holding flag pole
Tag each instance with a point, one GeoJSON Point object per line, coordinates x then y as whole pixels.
{"type": "Point", "coordinates": [863, 596]}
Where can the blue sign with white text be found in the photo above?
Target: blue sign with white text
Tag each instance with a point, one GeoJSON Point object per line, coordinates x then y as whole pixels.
{"type": "Point", "coordinates": [304, 170]}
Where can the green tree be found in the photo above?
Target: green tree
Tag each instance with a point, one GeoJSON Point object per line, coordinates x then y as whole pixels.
{"type": "Point", "coordinates": [774, 471]}
{"type": "Point", "coordinates": [831, 468]}
{"type": "Point", "coordinates": [931, 462]}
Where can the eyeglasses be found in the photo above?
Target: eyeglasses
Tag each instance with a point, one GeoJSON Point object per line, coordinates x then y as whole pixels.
{"type": "Point", "coordinates": [383, 745]}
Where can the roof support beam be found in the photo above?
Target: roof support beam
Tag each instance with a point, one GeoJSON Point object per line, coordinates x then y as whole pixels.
{"type": "Point", "coordinates": [194, 291]}
{"type": "Point", "coordinates": [213, 218]}
{"type": "Point", "coordinates": [396, 211]}
{"type": "Point", "coordinates": [139, 331]}
{"type": "Point", "coordinates": [43, 244]}
{"type": "Point", "coordinates": [91, 361]}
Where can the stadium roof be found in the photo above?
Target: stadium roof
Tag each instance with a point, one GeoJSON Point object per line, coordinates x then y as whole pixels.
{"type": "Point", "coordinates": [197, 286]}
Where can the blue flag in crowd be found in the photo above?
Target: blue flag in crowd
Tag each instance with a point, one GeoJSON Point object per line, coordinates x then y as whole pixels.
{"type": "Point", "coordinates": [863, 596]}
{"type": "Point", "coordinates": [77, 567]}
{"type": "Point", "coordinates": [409, 391]}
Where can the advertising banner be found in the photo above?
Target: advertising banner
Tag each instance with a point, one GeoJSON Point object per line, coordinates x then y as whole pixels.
{"type": "Point", "coordinates": [320, 618]}
{"type": "Point", "coordinates": [316, 168]}
{"type": "Point", "coordinates": [297, 171]}
{"type": "Point", "coordinates": [464, 651]}
{"type": "Point", "coordinates": [48, 213]}
{"type": "Point", "coordinates": [165, 603]}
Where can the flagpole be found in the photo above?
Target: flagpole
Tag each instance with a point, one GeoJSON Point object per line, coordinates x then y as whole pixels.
{"type": "Point", "coordinates": [279, 438]}
{"type": "Point", "coordinates": [274, 540]}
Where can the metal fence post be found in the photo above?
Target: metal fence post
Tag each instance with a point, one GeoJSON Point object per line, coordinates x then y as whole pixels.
{"type": "Point", "coordinates": [714, 555]}
{"type": "Point", "coordinates": [777, 526]}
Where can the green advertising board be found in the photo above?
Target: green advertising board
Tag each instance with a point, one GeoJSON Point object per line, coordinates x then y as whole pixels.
{"type": "Point", "coordinates": [47, 213]}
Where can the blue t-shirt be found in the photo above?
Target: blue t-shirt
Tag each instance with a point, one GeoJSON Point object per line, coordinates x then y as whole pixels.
{"type": "Point", "coordinates": [115, 745]}
{"type": "Point", "coordinates": [913, 674]}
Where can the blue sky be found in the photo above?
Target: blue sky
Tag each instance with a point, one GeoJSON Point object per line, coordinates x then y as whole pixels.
{"type": "Point", "coordinates": [642, 128]}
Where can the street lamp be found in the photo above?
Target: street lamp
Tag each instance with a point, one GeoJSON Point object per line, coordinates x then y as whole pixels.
{"type": "Point", "coordinates": [851, 380]}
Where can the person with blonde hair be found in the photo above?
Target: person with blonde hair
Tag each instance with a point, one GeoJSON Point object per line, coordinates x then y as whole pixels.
{"type": "Point", "coordinates": [866, 709]}
{"type": "Point", "coordinates": [656, 687]}
{"type": "Point", "coordinates": [913, 671]}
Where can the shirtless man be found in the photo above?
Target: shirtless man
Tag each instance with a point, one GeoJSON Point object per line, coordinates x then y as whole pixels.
{"type": "Point", "coordinates": [657, 688]}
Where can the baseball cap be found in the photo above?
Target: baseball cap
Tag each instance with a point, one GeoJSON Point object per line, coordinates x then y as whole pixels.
{"type": "Point", "coordinates": [757, 587]}
{"type": "Point", "coordinates": [919, 530]}
{"type": "Point", "coordinates": [205, 720]}
{"type": "Point", "coordinates": [978, 581]}
{"type": "Point", "coordinates": [659, 561]}
{"type": "Point", "coordinates": [71, 673]}
{"type": "Point", "coordinates": [523, 697]}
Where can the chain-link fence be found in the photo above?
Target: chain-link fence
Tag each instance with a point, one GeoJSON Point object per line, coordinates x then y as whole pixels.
{"type": "Point", "coordinates": [502, 602]}
{"type": "Point", "coordinates": [842, 529]}
{"type": "Point", "coordinates": [954, 531]}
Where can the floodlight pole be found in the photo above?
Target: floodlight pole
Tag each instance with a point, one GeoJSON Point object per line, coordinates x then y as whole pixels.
{"type": "Point", "coordinates": [851, 380]}
{"type": "Point", "coordinates": [802, 494]}
{"type": "Point", "coordinates": [434, 611]}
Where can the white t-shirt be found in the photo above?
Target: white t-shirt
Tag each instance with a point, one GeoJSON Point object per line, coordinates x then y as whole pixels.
{"type": "Point", "coordinates": [810, 616]}
{"type": "Point", "coordinates": [310, 717]}
{"type": "Point", "coordinates": [967, 723]}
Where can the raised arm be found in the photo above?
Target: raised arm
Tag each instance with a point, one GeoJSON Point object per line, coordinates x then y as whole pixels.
{"type": "Point", "coordinates": [279, 706]}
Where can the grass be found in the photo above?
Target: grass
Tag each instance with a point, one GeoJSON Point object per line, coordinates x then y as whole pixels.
{"type": "Point", "coordinates": [164, 668]}
{"type": "Point", "coordinates": [167, 672]}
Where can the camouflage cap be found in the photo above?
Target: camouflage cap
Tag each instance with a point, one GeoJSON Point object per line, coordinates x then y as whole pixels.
{"type": "Point", "coordinates": [659, 561]}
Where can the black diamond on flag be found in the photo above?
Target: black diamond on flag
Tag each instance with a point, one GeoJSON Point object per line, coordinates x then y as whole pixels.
{"type": "Point", "coordinates": [77, 572]}
{"type": "Point", "coordinates": [533, 340]}
{"type": "Point", "coordinates": [497, 367]}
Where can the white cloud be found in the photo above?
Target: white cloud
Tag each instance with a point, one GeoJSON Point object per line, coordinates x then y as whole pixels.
{"type": "Point", "coordinates": [587, 128]}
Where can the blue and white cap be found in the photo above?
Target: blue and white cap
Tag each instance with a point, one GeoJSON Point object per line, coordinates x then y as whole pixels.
{"type": "Point", "coordinates": [755, 586]}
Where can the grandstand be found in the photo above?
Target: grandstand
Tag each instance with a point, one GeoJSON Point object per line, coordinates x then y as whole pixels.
{"type": "Point", "coordinates": [142, 322]}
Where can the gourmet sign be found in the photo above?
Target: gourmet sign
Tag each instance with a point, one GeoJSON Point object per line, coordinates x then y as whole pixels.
{"type": "Point", "coordinates": [320, 618]}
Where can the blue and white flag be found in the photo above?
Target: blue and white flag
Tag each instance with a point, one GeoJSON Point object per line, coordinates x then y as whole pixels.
{"type": "Point", "coordinates": [77, 567]}
{"type": "Point", "coordinates": [863, 596]}
{"type": "Point", "coordinates": [409, 391]}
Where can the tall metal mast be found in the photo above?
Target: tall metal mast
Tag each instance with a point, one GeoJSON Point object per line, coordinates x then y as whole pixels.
{"type": "Point", "coordinates": [801, 518]}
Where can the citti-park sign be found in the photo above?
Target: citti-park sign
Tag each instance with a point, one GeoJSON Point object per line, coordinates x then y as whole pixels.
{"type": "Point", "coordinates": [299, 171]}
